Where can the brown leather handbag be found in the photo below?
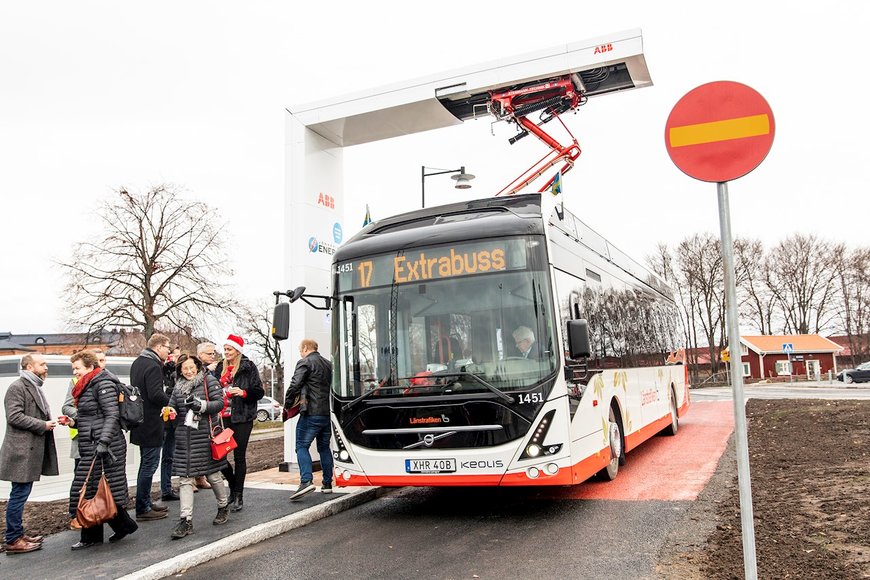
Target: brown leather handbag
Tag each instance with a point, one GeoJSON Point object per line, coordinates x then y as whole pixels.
{"type": "Point", "coordinates": [100, 508]}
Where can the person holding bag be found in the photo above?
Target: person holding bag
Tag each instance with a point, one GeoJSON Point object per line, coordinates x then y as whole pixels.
{"type": "Point", "coordinates": [197, 401]}
{"type": "Point", "coordinates": [102, 447]}
{"type": "Point", "coordinates": [239, 376]}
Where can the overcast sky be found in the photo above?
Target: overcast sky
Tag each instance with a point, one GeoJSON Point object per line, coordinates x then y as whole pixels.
{"type": "Point", "coordinates": [99, 95]}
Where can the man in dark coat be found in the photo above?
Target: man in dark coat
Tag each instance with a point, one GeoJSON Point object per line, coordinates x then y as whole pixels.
{"type": "Point", "coordinates": [312, 378]}
{"type": "Point", "coordinates": [146, 373]}
{"type": "Point", "coordinates": [28, 450]}
{"type": "Point", "coordinates": [168, 449]}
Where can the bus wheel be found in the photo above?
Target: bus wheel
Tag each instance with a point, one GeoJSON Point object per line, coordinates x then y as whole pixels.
{"type": "Point", "coordinates": [675, 420]}
{"type": "Point", "coordinates": [616, 455]}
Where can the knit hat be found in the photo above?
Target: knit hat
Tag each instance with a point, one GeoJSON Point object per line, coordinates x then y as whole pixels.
{"type": "Point", "coordinates": [237, 342]}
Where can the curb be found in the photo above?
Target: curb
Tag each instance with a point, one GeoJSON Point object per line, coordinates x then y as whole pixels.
{"type": "Point", "coordinates": [255, 535]}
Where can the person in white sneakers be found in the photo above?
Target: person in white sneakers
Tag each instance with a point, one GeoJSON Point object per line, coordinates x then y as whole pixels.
{"type": "Point", "coordinates": [312, 378]}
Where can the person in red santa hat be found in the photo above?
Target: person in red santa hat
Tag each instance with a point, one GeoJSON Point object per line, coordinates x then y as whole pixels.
{"type": "Point", "coordinates": [241, 382]}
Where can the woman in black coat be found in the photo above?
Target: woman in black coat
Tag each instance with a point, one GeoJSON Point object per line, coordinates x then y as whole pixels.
{"type": "Point", "coordinates": [197, 412]}
{"type": "Point", "coordinates": [101, 443]}
{"type": "Point", "coordinates": [241, 381]}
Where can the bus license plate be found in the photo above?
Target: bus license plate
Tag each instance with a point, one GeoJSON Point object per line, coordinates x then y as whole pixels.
{"type": "Point", "coordinates": [430, 465]}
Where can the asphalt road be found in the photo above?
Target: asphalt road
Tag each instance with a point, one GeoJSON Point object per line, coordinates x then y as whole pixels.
{"type": "Point", "coordinates": [822, 390]}
{"type": "Point", "coordinates": [465, 533]}
{"type": "Point", "coordinates": [593, 530]}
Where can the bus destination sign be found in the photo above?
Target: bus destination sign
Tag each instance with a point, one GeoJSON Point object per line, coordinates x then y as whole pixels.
{"type": "Point", "coordinates": [431, 263]}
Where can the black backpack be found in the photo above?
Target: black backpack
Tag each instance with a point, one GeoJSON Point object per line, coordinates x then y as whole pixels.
{"type": "Point", "coordinates": [131, 407]}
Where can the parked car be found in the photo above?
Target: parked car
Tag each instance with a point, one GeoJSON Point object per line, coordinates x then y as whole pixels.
{"type": "Point", "coordinates": [860, 374]}
{"type": "Point", "coordinates": [268, 409]}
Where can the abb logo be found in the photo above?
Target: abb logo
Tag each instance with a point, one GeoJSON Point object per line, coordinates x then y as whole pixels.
{"type": "Point", "coordinates": [603, 48]}
{"type": "Point", "coordinates": [326, 200]}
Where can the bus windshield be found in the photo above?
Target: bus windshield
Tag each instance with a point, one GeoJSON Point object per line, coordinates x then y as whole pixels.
{"type": "Point", "coordinates": [451, 319]}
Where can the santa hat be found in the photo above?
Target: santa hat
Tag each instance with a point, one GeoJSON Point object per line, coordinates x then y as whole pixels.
{"type": "Point", "coordinates": [237, 342]}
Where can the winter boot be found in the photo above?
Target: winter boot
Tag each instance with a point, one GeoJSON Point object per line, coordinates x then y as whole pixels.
{"type": "Point", "coordinates": [183, 528]}
{"type": "Point", "coordinates": [222, 515]}
{"type": "Point", "coordinates": [240, 503]}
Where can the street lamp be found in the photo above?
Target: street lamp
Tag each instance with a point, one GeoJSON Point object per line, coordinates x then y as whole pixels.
{"type": "Point", "coordinates": [462, 180]}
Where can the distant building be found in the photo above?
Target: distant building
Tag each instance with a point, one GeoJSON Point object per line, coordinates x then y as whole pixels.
{"type": "Point", "coordinates": [788, 355]}
{"type": "Point", "coordinates": [65, 344]}
{"type": "Point", "coordinates": [856, 350]}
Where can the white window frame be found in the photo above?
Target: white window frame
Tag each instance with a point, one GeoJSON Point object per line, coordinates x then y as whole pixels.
{"type": "Point", "coordinates": [744, 350]}
{"type": "Point", "coordinates": [746, 370]}
{"type": "Point", "coordinates": [783, 367]}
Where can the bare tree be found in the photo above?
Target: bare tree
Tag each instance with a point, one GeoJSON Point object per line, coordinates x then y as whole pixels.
{"type": "Point", "coordinates": [158, 263]}
{"type": "Point", "coordinates": [700, 263]}
{"type": "Point", "coordinates": [853, 281]}
{"type": "Point", "coordinates": [800, 272]}
{"type": "Point", "coordinates": [757, 302]}
{"type": "Point", "coordinates": [256, 324]}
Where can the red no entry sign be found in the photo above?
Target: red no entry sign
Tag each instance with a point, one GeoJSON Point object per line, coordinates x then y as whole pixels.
{"type": "Point", "coordinates": [719, 131]}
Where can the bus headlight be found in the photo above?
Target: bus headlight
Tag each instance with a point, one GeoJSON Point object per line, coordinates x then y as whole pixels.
{"type": "Point", "coordinates": [533, 472]}
{"type": "Point", "coordinates": [533, 450]}
{"type": "Point", "coordinates": [343, 455]}
{"type": "Point", "coordinates": [552, 468]}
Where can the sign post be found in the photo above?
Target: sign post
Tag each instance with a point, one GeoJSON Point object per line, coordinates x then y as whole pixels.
{"type": "Point", "coordinates": [718, 132]}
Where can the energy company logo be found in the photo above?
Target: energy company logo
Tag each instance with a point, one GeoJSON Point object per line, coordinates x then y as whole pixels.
{"type": "Point", "coordinates": [317, 247]}
{"type": "Point", "coordinates": [326, 200]}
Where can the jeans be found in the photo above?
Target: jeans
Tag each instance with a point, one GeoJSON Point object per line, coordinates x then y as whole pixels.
{"type": "Point", "coordinates": [15, 510]}
{"type": "Point", "coordinates": [185, 490]}
{"type": "Point", "coordinates": [147, 467]}
{"type": "Point", "coordinates": [166, 459]}
{"type": "Point", "coordinates": [308, 429]}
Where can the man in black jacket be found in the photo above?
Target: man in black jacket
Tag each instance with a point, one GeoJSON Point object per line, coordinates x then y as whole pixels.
{"type": "Point", "coordinates": [312, 378]}
{"type": "Point", "coordinates": [146, 373]}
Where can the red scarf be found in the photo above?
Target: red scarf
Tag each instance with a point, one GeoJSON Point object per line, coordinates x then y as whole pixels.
{"type": "Point", "coordinates": [83, 382]}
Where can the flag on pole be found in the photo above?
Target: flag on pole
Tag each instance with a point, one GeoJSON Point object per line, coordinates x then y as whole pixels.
{"type": "Point", "coordinates": [368, 219]}
{"type": "Point", "coordinates": [556, 187]}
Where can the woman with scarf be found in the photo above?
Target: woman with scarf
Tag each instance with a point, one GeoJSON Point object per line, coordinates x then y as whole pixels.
{"type": "Point", "coordinates": [101, 444]}
{"type": "Point", "coordinates": [197, 400]}
{"type": "Point", "coordinates": [241, 382]}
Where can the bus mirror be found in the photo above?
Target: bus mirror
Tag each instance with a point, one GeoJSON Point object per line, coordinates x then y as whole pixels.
{"type": "Point", "coordinates": [578, 339]}
{"type": "Point", "coordinates": [296, 294]}
{"type": "Point", "coordinates": [281, 321]}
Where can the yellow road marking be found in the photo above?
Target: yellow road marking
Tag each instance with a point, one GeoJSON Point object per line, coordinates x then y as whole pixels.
{"type": "Point", "coordinates": [738, 128]}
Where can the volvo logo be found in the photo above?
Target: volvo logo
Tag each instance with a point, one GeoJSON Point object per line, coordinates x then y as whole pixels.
{"type": "Point", "coordinates": [428, 440]}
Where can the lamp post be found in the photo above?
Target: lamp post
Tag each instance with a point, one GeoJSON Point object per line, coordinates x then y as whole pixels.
{"type": "Point", "coordinates": [462, 180]}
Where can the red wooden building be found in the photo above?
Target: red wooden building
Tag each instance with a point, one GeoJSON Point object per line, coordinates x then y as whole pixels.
{"type": "Point", "coordinates": [783, 355]}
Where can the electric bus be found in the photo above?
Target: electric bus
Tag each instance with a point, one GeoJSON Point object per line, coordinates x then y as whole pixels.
{"type": "Point", "coordinates": [496, 342]}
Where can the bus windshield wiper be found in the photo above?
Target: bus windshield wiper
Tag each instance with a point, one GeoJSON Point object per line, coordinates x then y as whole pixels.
{"type": "Point", "coordinates": [505, 397]}
{"type": "Point", "coordinates": [383, 385]}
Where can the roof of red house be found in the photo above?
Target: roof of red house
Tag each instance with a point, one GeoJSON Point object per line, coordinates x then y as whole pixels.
{"type": "Point", "coordinates": [800, 342]}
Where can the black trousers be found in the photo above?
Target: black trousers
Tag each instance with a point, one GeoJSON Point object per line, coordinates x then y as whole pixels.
{"type": "Point", "coordinates": [121, 523]}
{"type": "Point", "coordinates": [236, 473]}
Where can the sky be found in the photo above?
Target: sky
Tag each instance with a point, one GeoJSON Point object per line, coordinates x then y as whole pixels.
{"type": "Point", "coordinates": [95, 96]}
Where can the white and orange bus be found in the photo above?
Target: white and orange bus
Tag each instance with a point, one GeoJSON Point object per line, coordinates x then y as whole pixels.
{"type": "Point", "coordinates": [496, 342]}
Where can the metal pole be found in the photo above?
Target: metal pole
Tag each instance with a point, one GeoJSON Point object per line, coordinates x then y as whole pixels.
{"type": "Point", "coordinates": [746, 522]}
{"type": "Point", "coordinates": [423, 186]}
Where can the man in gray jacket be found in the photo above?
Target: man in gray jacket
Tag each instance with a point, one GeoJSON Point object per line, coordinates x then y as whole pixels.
{"type": "Point", "coordinates": [28, 450]}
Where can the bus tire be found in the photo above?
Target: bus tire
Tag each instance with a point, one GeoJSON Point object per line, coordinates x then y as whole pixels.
{"type": "Point", "coordinates": [675, 419]}
{"type": "Point", "coordinates": [617, 448]}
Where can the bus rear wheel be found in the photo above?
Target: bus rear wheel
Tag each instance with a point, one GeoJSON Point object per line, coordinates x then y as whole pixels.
{"type": "Point", "coordinates": [616, 450]}
{"type": "Point", "coordinates": [675, 419]}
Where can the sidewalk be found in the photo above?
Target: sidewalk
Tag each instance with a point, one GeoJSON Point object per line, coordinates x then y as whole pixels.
{"type": "Point", "coordinates": [151, 553]}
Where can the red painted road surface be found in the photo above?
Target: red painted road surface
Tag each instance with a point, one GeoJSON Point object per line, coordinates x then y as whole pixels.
{"type": "Point", "coordinates": [669, 468]}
